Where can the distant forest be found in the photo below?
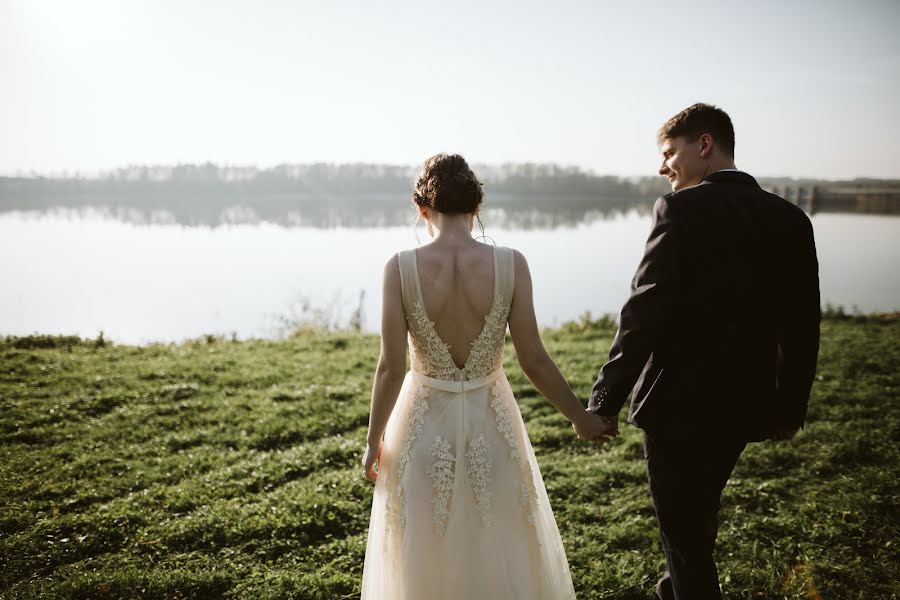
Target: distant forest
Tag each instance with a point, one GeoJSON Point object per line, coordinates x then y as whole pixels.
{"type": "Point", "coordinates": [521, 195]}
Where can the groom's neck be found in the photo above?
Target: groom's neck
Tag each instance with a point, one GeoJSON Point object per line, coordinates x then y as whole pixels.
{"type": "Point", "coordinates": [720, 162]}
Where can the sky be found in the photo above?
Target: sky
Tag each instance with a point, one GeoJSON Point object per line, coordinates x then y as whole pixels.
{"type": "Point", "coordinates": [813, 87]}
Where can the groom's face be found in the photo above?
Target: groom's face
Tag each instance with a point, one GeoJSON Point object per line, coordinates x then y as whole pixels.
{"type": "Point", "coordinates": [682, 164]}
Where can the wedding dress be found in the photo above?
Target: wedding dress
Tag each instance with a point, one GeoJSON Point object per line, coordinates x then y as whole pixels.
{"type": "Point", "coordinates": [459, 509]}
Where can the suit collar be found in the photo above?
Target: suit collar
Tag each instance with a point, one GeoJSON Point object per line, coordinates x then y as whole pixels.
{"type": "Point", "coordinates": [730, 177]}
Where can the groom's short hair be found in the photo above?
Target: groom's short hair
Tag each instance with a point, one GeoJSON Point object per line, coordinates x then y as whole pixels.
{"type": "Point", "coordinates": [698, 119]}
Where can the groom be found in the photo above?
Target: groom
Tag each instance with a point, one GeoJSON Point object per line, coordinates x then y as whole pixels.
{"type": "Point", "coordinates": [719, 337]}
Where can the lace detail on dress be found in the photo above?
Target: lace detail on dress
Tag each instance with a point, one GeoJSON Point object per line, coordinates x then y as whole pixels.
{"type": "Point", "coordinates": [504, 420]}
{"type": "Point", "coordinates": [441, 473]}
{"type": "Point", "coordinates": [526, 501]}
{"type": "Point", "coordinates": [486, 354]}
{"type": "Point", "coordinates": [415, 421]}
{"type": "Point", "coordinates": [528, 497]}
{"type": "Point", "coordinates": [390, 509]}
{"type": "Point", "coordinates": [479, 472]}
{"type": "Point", "coordinates": [431, 354]}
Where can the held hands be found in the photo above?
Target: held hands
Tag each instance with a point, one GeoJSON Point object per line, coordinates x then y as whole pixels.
{"type": "Point", "coordinates": [597, 428]}
{"type": "Point", "coordinates": [371, 456]}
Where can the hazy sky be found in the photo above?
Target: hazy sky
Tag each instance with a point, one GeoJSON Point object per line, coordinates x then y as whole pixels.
{"type": "Point", "coordinates": [813, 87]}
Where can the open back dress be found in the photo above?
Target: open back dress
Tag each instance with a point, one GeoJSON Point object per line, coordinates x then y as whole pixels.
{"type": "Point", "coordinates": [459, 509]}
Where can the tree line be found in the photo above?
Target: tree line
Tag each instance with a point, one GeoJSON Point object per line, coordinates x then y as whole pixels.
{"type": "Point", "coordinates": [326, 194]}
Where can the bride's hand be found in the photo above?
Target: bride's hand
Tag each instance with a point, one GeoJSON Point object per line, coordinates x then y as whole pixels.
{"type": "Point", "coordinates": [371, 456]}
{"type": "Point", "coordinates": [594, 427]}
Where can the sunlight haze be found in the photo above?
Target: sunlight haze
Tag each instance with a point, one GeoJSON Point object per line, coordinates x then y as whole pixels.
{"type": "Point", "coordinates": [813, 87]}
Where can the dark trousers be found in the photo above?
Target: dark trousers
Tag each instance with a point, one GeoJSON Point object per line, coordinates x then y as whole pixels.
{"type": "Point", "coordinates": [687, 473]}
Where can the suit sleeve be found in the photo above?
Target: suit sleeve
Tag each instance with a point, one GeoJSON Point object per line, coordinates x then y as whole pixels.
{"type": "Point", "coordinates": [648, 310]}
{"type": "Point", "coordinates": [799, 331]}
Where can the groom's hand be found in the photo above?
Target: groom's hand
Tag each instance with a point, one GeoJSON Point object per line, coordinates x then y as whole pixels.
{"type": "Point", "coordinates": [613, 424]}
{"type": "Point", "coordinates": [597, 428]}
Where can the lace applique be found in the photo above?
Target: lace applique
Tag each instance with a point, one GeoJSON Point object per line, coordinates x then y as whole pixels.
{"type": "Point", "coordinates": [441, 473]}
{"type": "Point", "coordinates": [390, 510]}
{"type": "Point", "coordinates": [525, 501]}
{"type": "Point", "coordinates": [432, 354]}
{"type": "Point", "coordinates": [415, 421]}
{"type": "Point", "coordinates": [528, 497]}
{"type": "Point", "coordinates": [504, 420]}
{"type": "Point", "coordinates": [479, 472]}
{"type": "Point", "coordinates": [487, 349]}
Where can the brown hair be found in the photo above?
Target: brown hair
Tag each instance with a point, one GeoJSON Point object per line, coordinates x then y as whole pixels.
{"type": "Point", "coordinates": [447, 185]}
{"type": "Point", "coordinates": [698, 119]}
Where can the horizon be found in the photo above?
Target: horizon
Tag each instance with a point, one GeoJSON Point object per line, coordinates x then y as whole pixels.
{"type": "Point", "coordinates": [105, 173]}
{"type": "Point", "coordinates": [102, 84]}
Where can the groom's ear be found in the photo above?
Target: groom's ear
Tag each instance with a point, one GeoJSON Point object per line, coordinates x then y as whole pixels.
{"type": "Point", "coordinates": [707, 145]}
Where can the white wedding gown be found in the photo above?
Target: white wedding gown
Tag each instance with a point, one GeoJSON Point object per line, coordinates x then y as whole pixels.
{"type": "Point", "coordinates": [460, 510]}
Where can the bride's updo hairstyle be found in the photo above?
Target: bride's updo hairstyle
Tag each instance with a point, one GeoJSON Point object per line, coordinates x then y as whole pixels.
{"type": "Point", "coordinates": [447, 185]}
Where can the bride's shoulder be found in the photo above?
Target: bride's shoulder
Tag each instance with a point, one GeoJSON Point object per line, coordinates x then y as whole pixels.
{"type": "Point", "coordinates": [518, 257]}
{"type": "Point", "coordinates": [392, 265]}
{"type": "Point", "coordinates": [399, 261]}
{"type": "Point", "coordinates": [519, 263]}
{"type": "Point", "coordinates": [521, 271]}
{"type": "Point", "coordinates": [399, 255]}
{"type": "Point", "coordinates": [507, 249]}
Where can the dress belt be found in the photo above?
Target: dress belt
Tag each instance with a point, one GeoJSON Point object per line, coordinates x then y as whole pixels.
{"type": "Point", "coordinates": [456, 385]}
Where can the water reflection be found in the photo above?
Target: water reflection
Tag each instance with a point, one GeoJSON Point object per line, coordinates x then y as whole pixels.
{"type": "Point", "coordinates": [323, 195]}
{"type": "Point", "coordinates": [524, 196]}
{"type": "Point", "coordinates": [144, 276]}
{"type": "Point", "coordinates": [372, 211]}
{"type": "Point", "coordinates": [533, 214]}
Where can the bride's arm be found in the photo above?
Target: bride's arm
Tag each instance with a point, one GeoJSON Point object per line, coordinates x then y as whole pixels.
{"type": "Point", "coordinates": [391, 364]}
{"type": "Point", "coordinates": [537, 364]}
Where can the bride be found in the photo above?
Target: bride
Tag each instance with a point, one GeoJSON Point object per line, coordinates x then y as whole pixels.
{"type": "Point", "coordinates": [460, 510]}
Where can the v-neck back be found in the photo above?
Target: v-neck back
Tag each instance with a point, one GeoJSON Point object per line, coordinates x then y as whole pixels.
{"type": "Point", "coordinates": [429, 353]}
{"type": "Point", "coordinates": [421, 298]}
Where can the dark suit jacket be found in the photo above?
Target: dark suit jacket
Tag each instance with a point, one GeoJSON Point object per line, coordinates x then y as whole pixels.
{"type": "Point", "coordinates": [722, 327]}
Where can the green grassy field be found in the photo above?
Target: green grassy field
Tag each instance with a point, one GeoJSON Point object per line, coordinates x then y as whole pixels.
{"type": "Point", "coordinates": [217, 468]}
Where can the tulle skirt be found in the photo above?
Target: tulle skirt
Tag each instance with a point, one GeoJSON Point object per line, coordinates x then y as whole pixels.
{"type": "Point", "coordinates": [460, 510]}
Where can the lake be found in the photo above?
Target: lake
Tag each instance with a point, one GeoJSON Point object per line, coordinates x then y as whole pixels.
{"type": "Point", "coordinates": [84, 271]}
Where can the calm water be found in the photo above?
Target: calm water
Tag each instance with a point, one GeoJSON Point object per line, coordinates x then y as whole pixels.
{"type": "Point", "coordinates": [82, 272]}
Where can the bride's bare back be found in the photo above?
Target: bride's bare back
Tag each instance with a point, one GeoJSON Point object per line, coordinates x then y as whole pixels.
{"type": "Point", "coordinates": [457, 284]}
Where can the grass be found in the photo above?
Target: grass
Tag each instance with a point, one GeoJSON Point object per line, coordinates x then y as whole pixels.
{"type": "Point", "coordinates": [222, 468]}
